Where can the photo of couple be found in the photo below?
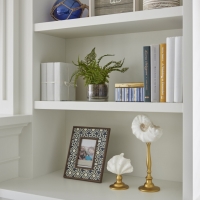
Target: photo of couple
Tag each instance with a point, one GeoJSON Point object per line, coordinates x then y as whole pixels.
{"type": "Point", "coordinates": [86, 153]}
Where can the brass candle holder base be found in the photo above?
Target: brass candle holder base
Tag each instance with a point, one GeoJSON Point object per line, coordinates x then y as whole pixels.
{"type": "Point", "coordinates": [145, 188]}
{"type": "Point", "coordinates": [149, 186]}
{"type": "Point", "coordinates": [119, 185]}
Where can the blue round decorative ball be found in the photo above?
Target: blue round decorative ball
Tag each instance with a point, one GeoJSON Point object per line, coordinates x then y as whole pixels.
{"type": "Point", "coordinates": [67, 9]}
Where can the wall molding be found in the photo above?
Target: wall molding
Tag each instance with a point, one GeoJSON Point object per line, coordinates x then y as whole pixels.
{"type": "Point", "coordinates": [9, 160]}
{"type": "Point", "coordinates": [11, 130]}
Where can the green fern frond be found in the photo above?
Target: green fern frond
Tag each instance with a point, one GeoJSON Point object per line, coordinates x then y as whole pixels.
{"type": "Point", "coordinates": [92, 73]}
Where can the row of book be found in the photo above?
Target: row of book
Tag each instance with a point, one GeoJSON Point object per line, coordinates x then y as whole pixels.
{"type": "Point", "coordinates": [129, 92]}
{"type": "Point", "coordinates": [163, 71]}
{"type": "Point", "coordinates": [55, 84]}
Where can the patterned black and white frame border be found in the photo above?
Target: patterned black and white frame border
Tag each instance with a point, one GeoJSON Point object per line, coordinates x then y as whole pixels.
{"type": "Point", "coordinates": [94, 174]}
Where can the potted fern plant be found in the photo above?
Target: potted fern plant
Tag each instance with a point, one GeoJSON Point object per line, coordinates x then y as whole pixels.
{"type": "Point", "coordinates": [96, 76]}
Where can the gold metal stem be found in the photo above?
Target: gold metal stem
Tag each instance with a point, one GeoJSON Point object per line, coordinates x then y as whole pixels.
{"type": "Point", "coordinates": [148, 185]}
{"type": "Point", "coordinates": [119, 185]}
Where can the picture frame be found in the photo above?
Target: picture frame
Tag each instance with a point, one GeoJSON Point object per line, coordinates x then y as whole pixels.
{"type": "Point", "coordinates": [87, 154]}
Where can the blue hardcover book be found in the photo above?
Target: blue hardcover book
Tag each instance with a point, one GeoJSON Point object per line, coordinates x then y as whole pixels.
{"type": "Point", "coordinates": [132, 94]}
{"type": "Point", "coordinates": [123, 94]}
{"type": "Point", "coordinates": [119, 94]}
{"type": "Point", "coordinates": [129, 94]}
{"type": "Point", "coordinates": [138, 94]}
{"type": "Point", "coordinates": [147, 73]}
{"type": "Point", "coordinates": [142, 94]}
{"type": "Point", "coordinates": [126, 94]}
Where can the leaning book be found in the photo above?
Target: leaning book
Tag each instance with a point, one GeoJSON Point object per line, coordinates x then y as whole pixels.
{"type": "Point", "coordinates": [147, 73]}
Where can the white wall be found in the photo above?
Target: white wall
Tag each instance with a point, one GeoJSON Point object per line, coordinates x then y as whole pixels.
{"type": "Point", "coordinates": [128, 46]}
{"type": "Point", "coordinates": [166, 152]}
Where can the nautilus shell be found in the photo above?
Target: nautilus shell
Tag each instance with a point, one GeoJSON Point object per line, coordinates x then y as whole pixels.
{"type": "Point", "coordinates": [145, 130]}
{"type": "Point", "coordinates": [119, 165]}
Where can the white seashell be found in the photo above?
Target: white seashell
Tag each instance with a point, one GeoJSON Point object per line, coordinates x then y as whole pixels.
{"type": "Point", "coordinates": [145, 130]}
{"type": "Point", "coordinates": [119, 165]}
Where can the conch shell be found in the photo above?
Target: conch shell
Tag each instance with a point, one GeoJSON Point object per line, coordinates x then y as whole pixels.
{"type": "Point", "coordinates": [145, 130]}
{"type": "Point", "coordinates": [119, 165]}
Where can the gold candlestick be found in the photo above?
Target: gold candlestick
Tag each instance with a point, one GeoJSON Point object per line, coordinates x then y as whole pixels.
{"type": "Point", "coordinates": [148, 185]}
{"type": "Point", "coordinates": [119, 185]}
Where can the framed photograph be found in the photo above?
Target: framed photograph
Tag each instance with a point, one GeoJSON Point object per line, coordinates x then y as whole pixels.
{"type": "Point", "coordinates": [87, 154]}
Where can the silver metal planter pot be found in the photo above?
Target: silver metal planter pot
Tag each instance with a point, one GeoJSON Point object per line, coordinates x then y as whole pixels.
{"type": "Point", "coordinates": [97, 92]}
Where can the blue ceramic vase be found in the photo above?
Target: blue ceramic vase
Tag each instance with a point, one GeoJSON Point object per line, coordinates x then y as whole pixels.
{"type": "Point", "coordinates": [67, 9]}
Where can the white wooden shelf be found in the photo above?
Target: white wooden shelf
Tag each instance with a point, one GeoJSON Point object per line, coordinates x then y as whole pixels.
{"type": "Point", "coordinates": [110, 106]}
{"type": "Point", "coordinates": [131, 22]}
{"type": "Point", "coordinates": [54, 187]}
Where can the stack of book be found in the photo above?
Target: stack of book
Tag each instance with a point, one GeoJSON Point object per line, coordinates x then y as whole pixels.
{"type": "Point", "coordinates": [129, 92]}
{"type": "Point", "coordinates": [55, 84]}
{"type": "Point", "coordinates": [163, 71]}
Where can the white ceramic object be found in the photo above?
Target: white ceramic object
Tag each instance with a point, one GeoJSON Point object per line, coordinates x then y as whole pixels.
{"type": "Point", "coordinates": [119, 165]}
{"type": "Point", "coordinates": [145, 130]}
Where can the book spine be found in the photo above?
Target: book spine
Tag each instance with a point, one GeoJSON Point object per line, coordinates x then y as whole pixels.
{"type": "Point", "coordinates": [132, 94]}
{"type": "Point", "coordinates": [178, 81]}
{"type": "Point", "coordinates": [57, 82]}
{"type": "Point", "coordinates": [143, 94]}
{"type": "Point", "coordinates": [43, 80]}
{"type": "Point", "coordinates": [123, 94]}
{"type": "Point", "coordinates": [120, 94]}
{"type": "Point", "coordinates": [138, 94]}
{"type": "Point", "coordinates": [116, 94]}
{"type": "Point", "coordinates": [66, 91]}
{"type": "Point", "coordinates": [170, 69]}
{"type": "Point", "coordinates": [126, 94]}
{"type": "Point", "coordinates": [163, 72]}
{"type": "Point", "coordinates": [135, 94]}
{"type": "Point", "coordinates": [147, 73]}
{"type": "Point", "coordinates": [50, 82]}
{"type": "Point", "coordinates": [155, 89]}
{"type": "Point", "coordinates": [129, 94]}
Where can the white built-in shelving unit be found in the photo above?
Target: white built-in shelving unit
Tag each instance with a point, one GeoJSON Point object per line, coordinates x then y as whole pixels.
{"type": "Point", "coordinates": [47, 140]}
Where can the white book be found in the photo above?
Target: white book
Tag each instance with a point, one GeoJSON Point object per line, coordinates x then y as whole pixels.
{"type": "Point", "coordinates": [50, 81]}
{"type": "Point", "coordinates": [178, 71]}
{"type": "Point", "coordinates": [63, 90]}
{"type": "Point", "coordinates": [71, 90]}
{"type": "Point", "coordinates": [43, 81]}
{"type": "Point", "coordinates": [170, 58]}
{"type": "Point", "coordinates": [60, 77]}
{"type": "Point", "coordinates": [155, 72]}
